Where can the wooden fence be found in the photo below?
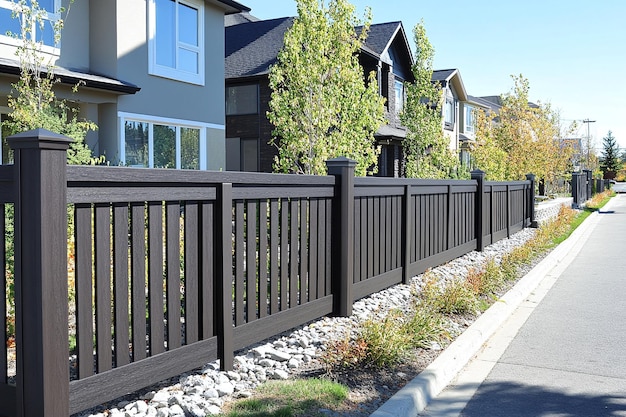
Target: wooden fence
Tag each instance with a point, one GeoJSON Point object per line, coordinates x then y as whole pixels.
{"type": "Point", "coordinates": [584, 186]}
{"type": "Point", "coordinates": [174, 269]}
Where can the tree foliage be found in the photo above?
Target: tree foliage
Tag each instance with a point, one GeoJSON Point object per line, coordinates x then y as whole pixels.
{"type": "Point", "coordinates": [523, 139]}
{"type": "Point", "coordinates": [610, 162]}
{"type": "Point", "coordinates": [426, 151]}
{"type": "Point", "coordinates": [322, 105]}
{"type": "Point", "coordinates": [32, 100]}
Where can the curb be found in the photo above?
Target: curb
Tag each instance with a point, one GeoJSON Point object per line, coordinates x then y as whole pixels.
{"type": "Point", "coordinates": [417, 394]}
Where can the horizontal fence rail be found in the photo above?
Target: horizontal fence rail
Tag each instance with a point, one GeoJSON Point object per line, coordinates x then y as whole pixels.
{"type": "Point", "coordinates": [168, 269]}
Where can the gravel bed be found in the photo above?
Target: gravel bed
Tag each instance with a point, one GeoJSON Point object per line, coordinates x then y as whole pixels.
{"type": "Point", "coordinates": [206, 391]}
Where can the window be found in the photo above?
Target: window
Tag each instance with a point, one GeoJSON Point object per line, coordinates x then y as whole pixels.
{"type": "Point", "coordinates": [162, 143]}
{"type": "Point", "coordinates": [448, 116]}
{"type": "Point", "coordinates": [469, 119]}
{"type": "Point", "coordinates": [399, 95]}
{"type": "Point", "coordinates": [242, 154]}
{"type": "Point", "coordinates": [176, 48]}
{"type": "Point", "coordinates": [44, 32]}
{"type": "Point", "coordinates": [242, 99]}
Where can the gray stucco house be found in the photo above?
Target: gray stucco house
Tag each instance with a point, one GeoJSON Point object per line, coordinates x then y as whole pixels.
{"type": "Point", "coordinates": [153, 73]}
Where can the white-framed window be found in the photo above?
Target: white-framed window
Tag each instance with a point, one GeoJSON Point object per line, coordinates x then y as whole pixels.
{"type": "Point", "coordinates": [470, 121]}
{"type": "Point", "coordinates": [157, 142]}
{"type": "Point", "coordinates": [449, 113]}
{"type": "Point", "coordinates": [398, 87]}
{"type": "Point", "coordinates": [176, 39]}
{"type": "Point", "coordinates": [242, 99]}
{"type": "Point", "coordinates": [10, 25]}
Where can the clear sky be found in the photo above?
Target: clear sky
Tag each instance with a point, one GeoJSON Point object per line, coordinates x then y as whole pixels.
{"type": "Point", "coordinates": [572, 52]}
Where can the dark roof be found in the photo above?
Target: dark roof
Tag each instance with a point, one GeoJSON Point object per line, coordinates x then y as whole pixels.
{"type": "Point", "coordinates": [251, 48]}
{"type": "Point", "coordinates": [239, 18]}
{"type": "Point", "coordinates": [443, 75]}
{"type": "Point", "coordinates": [380, 35]}
{"type": "Point", "coordinates": [72, 77]}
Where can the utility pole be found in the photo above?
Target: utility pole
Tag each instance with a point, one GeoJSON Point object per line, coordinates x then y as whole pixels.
{"type": "Point", "coordinates": [587, 121]}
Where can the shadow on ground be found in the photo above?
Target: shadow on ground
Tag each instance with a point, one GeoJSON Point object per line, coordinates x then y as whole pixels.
{"type": "Point", "coordinates": [507, 399]}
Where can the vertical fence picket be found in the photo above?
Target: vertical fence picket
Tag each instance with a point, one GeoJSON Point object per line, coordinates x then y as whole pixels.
{"type": "Point", "coordinates": [102, 240]}
{"type": "Point", "coordinates": [304, 251]}
{"type": "Point", "coordinates": [284, 254]}
{"type": "Point", "coordinates": [274, 255]}
{"type": "Point", "coordinates": [172, 264]}
{"type": "Point", "coordinates": [293, 253]}
{"type": "Point", "coordinates": [207, 269]}
{"type": "Point", "coordinates": [251, 261]}
{"type": "Point", "coordinates": [155, 277]}
{"type": "Point", "coordinates": [120, 286]}
{"type": "Point", "coordinates": [192, 285]}
{"type": "Point", "coordinates": [314, 245]}
{"type": "Point", "coordinates": [263, 260]}
{"type": "Point", "coordinates": [239, 264]}
{"type": "Point", "coordinates": [138, 280]}
{"type": "Point", "coordinates": [84, 289]}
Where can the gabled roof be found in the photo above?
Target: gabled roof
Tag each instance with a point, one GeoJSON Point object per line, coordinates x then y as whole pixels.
{"type": "Point", "coordinates": [453, 77]}
{"type": "Point", "coordinates": [481, 102]}
{"type": "Point", "coordinates": [253, 46]}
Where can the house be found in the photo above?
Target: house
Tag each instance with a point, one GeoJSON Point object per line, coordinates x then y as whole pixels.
{"type": "Point", "coordinates": [152, 74]}
{"type": "Point", "coordinates": [252, 46]}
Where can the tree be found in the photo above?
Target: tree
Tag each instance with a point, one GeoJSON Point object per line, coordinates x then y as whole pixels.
{"type": "Point", "coordinates": [32, 100]}
{"type": "Point", "coordinates": [524, 139]}
{"type": "Point", "coordinates": [426, 151]}
{"type": "Point", "coordinates": [610, 162]}
{"type": "Point", "coordinates": [322, 105]}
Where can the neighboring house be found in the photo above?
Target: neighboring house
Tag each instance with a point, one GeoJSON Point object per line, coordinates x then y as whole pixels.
{"type": "Point", "coordinates": [467, 124]}
{"type": "Point", "coordinates": [252, 46]}
{"type": "Point", "coordinates": [452, 109]}
{"type": "Point", "coordinates": [153, 74]}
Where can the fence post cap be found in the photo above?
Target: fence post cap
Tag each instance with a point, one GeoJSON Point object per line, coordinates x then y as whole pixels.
{"type": "Point", "coordinates": [39, 138]}
{"type": "Point", "coordinates": [531, 177]}
{"type": "Point", "coordinates": [477, 173]}
{"type": "Point", "coordinates": [340, 161]}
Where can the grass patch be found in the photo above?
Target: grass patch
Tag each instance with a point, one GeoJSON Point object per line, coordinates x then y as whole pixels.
{"type": "Point", "coordinates": [290, 398]}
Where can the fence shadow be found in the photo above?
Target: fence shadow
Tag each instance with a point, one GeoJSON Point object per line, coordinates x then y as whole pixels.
{"type": "Point", "coordinates": [520, 400]}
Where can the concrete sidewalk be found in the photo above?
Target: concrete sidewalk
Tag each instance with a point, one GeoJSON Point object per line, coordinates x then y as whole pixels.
{"type": "Point", "coordinates": [562, 355]}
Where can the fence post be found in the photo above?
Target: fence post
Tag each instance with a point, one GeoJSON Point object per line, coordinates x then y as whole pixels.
{"type": "Point", "coordinates": [224, 277]}
{"type": "Point", "coordinates": [531, 201]}
{"type": "Point", "coordinates": [342, 234]}
{"type": "Point", "coordinates": [41, 273]}
{"type": "Point", "coordinates": [589, 188]}
{"type": "Point", "coordinates": [479, 176]}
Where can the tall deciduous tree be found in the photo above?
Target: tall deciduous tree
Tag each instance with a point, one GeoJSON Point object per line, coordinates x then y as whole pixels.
{"type": "Point", "coordinates": [610, 162]}
{"type": "Point", "coordinates": [426, 151]}
{"type": "Point", "coordinates": [526, 138]}
{"type": "Point", "coordinates": [322, 104]}
{"type": "Point", "coordinates": [32, 100]}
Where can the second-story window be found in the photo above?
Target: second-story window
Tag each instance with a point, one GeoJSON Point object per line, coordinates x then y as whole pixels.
{"type": "Point", "coordinates": [41, 23]}
{"type": "Point", "coordinates": [177, 40]}
{"type": "Point", "coordinates": [469, 119]}
{"type": "Point", "coordinates": [448, 113]}
{"type": "Point", "coordinates": [399, 95]}
{"type": "Point", "coordinates": [242, 99]}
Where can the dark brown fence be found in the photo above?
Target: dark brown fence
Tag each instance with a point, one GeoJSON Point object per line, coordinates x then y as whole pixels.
{"type": "Point", "coordinates": [169, 270]}
{"type": "Point", "coordinates": [584, 186]}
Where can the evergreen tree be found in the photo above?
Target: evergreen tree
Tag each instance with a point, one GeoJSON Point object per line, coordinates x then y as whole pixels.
{"type": "Point", "coordinates": [322, 106]}
{"type": "Point", "coordinates": [610, 162]}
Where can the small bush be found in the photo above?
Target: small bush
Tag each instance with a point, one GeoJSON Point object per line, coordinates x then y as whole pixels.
{"type": "Point", "coordinates": [387, 340]}
{"type": "Point", "coordinates": [456, 297]}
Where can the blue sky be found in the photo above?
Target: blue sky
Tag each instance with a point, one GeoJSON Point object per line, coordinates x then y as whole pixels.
{"type": "Point", "coordinates": [572, 52]}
